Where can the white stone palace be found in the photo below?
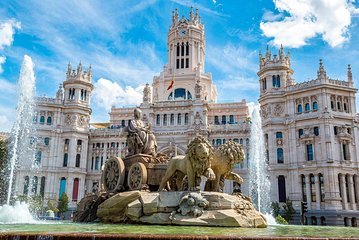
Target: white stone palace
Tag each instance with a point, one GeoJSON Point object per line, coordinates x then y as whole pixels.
{"type": "Point", "coordinates": [310, 129]}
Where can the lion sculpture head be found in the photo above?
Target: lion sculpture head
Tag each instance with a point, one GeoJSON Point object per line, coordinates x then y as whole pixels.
{"type": "Point", "coordinates": [232, 152]}
{"type": "Point", "coordinates": [200, 153]}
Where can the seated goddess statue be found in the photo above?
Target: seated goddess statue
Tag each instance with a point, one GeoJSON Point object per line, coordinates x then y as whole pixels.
{"type": "Point", "coordinates": [140, 138]}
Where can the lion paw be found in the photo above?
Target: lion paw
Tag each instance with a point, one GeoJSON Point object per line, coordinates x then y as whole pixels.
{"type": "Point", "coordinates": [210, 174]}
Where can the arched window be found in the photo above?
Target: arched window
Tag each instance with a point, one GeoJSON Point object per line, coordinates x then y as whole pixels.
{"type": "Point", "coordinates": [304, 187]}
{"type": "Point", "coordinates": [339, 106]}
{"type": "Point", "coordinates": [164, 119]}
{"type": "Point", "coordinates": [224, 119]}
{"type": "Point", "coordinates": [280, 157]}
{"type": "Point", "coordinates": [182, 50]}
{"type": "Point", "coordinates": [42, 119]}
{"type": "Point", "coordinates": [75, 190]}
{"type": "Point", "coordinates": [66, 158]}
{"type": "Point", "coordinates": [79, 142]}
{"type": "Point", "coordinates": [35, 182]}
{"type": "Point", "coordinates": [181, 94]}
{"type": "Point", "coordinates": [216, 120]}
{"type": "Point", "coordinates": [42, 186]}
{"type": "Point", "coordinates": [187, 49]}
{"type": "Point", "coordinates": [307, 107]}
{"type": "Point", "coordinates": [219, 142]}
{"type": "Point", "coordinates": [247, 141]}
{"type": "Point", "coordinates": [332, 105]}
{"type": "Point", "coordinates": [236, 140]}
{"type": "Point", "coordinates": [312, 188]}
{"type": "Point", "coordinates": [62, 186]}
{"type": "Point", "coordinates": [38, 158]}
{"type": "Point", "coordinates": [231, 119]}
{"type": "Point", "coordinates": [316, 131]}
{"type": "Point", "coordinates": [78, 158]}
{"type": "Point", "coordinates": [299, 108]}
{"type": "Point", "coordinates": [49, 120]}
{"type": "Point", "coordinates": [241, 141]}
{"type": "Point", "coordinates": [315, 106]}
{"type": "Point", "coordinates": [264, 84]}
{"type": "Point", "coordinates": [347, 186]}
{"type": "Point", "coordinates": [46, 141]}
{"type": "Point", "coordinates": [26, 185]}
{"type": "Point", "coordinates": [281, 189]}
{"type": "Point", "coordinates": [158, 120]}
{"type": "Point", "coordinates": [179, 119]}
{"type": "Point", "coordinates": [186, 119]}
{"type": "Point", "coordinates": [276, 81]}
{"type": "Point", "coordinates": [177, 50]}
{"type": "Point", "coordinates": [279, 135]}
{"type": "Point", "coordinates": [321, 187]}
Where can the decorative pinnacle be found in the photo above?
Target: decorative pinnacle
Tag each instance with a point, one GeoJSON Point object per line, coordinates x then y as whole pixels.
{"type": "Point", "coordinates": [321, 71]}
{"type": "Point", "coordinates": [350, 75]}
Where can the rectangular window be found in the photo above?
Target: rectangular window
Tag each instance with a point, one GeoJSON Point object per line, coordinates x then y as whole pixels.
{"type": "Point", "coordinates": [310, 152]}
{"type": "Point", "coordinates": [280, 157]}
{"type": "Point", "coordinates": [335, 130]}
{"type": "Point", "coordinates": [279, 135]}
{"type": "Point", "coordinates": [316, 131]}
{"type": "Point", "coordinates": [187, 49]}
{"type": "Point", "coordinates": [177, 63]}
{"type": "Point", "coordinates": [300, 132]}
{"type": "Point", "coordinates": [216, 120]}
{"type": "Point", "coordinates": [345, 151]}
{"type": "Point", "coordinates": [182, 63]}
{"type": "Point", "coordinates": [187, 63]}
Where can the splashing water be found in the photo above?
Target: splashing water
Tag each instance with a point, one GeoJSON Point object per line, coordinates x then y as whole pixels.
{"type": "Point", "coordinates": [259, 185]}
{"type": "Point", "coordinates": [19, 213]}
{"type": "Point", "coordinates": [22, 148]}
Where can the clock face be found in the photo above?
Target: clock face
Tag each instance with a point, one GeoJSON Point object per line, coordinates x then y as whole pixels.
{"type": "Point", "coordinates": [182, 32]}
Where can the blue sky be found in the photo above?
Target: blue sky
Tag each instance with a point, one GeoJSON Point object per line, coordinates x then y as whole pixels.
{"type": "Point", "coordinates": [125, 42]}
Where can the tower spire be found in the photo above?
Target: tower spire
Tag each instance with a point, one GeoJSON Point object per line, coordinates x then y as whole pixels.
{"type": "Point", "coordinates": [321, 72]}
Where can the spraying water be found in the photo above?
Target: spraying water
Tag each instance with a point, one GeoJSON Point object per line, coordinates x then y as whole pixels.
{"type": "Point", "coordinates": [21, 153]}
{"type": "Point", "coordinates": [259, 185]}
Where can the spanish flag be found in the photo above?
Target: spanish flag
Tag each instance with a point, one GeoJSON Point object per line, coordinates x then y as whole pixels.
{"type": "Point", "coordinates": [172, 82]}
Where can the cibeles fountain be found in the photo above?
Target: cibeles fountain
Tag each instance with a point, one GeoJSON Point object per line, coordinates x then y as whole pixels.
{"type": "Point", "coordinates": [147, 187]}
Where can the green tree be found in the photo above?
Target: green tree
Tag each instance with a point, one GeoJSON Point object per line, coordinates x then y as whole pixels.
{"type": "Point", "coordinates": [280, 220]}
{"type": "Point", "coordinates": [63, 203]}
{"type": "Point", "coordinates": [289, 210]}
{"type": "Point", "coordinates": [276, 208]}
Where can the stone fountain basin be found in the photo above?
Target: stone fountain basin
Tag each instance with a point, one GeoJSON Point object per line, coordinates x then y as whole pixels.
{"type": "Point", "coordinates": [223, 210]}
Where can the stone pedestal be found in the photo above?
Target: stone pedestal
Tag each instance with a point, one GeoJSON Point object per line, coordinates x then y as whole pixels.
{"type": "Point", "coordinates": [181, 208]}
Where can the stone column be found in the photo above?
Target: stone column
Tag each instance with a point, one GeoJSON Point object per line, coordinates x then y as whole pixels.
{"type": "Point", "coordinates": [317, 191]}
{"type": "Point", "coordinates": [307, 186]}
{"type": "Point", "coordinates": [343, 191]}
{"type": "Point", "coordinates": [351, 192]}
{"type": "Point", "coordinates": [356, 180]}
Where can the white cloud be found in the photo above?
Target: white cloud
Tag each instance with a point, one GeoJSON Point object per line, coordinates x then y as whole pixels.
{"type": "Point", "coordinates": [270, 16]}
{"type": "Point", "coordinates": [7, 31]}
{"type": "Point", "coordinates": [108, 93]}
{"type": "Point", "coordinates": [232, 59]}
{"type": "Point", "coordinates": [308, 19]}
{"type": "Point", "coordinates": [2, 61]}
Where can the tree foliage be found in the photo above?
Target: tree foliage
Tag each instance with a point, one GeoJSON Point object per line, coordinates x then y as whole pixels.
{"type": "Point", "coordinates": [63, 205]}
{"type": "Point", "coordinates": [289, 210]}
{"type": "Point", "coordinates": [275, 208]}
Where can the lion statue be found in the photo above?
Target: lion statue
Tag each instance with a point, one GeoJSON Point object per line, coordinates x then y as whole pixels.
{"type": "Point", "coordinates": [194, 164]}
{"type": "Point", "coordinates": [222, 163]}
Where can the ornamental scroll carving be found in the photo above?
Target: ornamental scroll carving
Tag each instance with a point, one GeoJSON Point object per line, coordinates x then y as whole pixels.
{"type": "Point", "coordinates": [278, 109]}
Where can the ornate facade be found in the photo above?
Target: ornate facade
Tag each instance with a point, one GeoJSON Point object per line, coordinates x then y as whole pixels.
{"type": "Point", "coordinates": [310, 129]}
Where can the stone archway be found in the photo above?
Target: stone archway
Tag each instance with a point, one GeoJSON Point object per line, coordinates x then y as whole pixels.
{"type": "Point", "coordinates": [172, 150]}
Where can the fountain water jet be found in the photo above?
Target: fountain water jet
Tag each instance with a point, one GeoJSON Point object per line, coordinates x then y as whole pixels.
{"type": "Point", "coordinates": [22, 144]}
{"type": "Point", "coordinates": [259, 185]}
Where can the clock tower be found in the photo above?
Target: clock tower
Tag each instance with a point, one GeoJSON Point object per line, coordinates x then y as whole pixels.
{"type": "Point", "coordinates": [184, 72]}
{"type": "Point", "coordinates": [186, 43]}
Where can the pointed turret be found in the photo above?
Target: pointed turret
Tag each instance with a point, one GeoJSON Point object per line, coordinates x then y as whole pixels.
{"type": "Point", "coordinates": [191, 17]}
{"type": "Point", "coordinates": [281, 53]}
{"type": "Point", "coordinates": [268, 54]}
{"type": "Point", "coordinates": [350, 76]}
{"type": "Point", "coordinates": [321, 71]}
{"type": "Point", "coordinates": [60, 92]}
{"type": "Point", "coordinates": [147, 94]}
